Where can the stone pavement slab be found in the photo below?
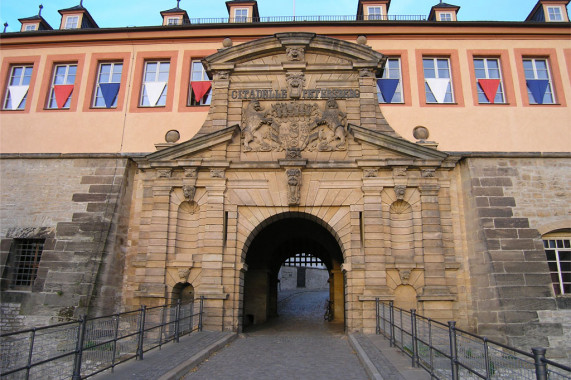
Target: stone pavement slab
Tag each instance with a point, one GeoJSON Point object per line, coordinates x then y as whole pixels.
{"type": "Point", "coordinates": [173, 360]}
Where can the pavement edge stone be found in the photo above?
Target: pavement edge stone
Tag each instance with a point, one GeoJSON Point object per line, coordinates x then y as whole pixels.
{"type": "Point", "coordinates": [364, 359]}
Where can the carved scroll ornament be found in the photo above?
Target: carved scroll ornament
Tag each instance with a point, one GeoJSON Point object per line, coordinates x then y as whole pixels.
{"type": "Point", "coordinates": [294, 186]}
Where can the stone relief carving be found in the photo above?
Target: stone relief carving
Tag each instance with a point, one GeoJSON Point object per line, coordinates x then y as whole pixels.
{"type": "Point", "coordinates": [370, 173]}
{"type": "Point", "coordinates": [254, 117]}
{"type": "Point", "coordinates": [399, 172]}
{"type": "Point", "coordinates": [183, 274]}
{"type": "Point", "coordinates": [294, 126]}
{"type": "Point", "coordinates": [400, 191]}
{"type": "Point", "coordinates": [295, 53]}
{"type": "Point", "coordinates": [427, 173]}
{"type": "Point", "coordinates": [222, 75]}
{"type": "Point", "coordinates": [366, 73]}
{"type": "Point", "coordinates": [190, 172]}
{"type": "Point", "coordinates": [294, 186]}
{"type": "Point", "coordinates": [404, 276]}
{"type": "Point", "coordinates": [293, 153]}
{"type": "Point", "coordinates": [189, 192]}
{"type": "Point", "coordinates": [164, 173]}
{"type": "Point", "coordinates": [217, 173]}
{"type": "Point", "coordinates": [295, 81]}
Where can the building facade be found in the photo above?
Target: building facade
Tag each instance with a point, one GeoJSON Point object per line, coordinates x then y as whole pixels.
{"type": "Point", "coordinates": [423, 161]}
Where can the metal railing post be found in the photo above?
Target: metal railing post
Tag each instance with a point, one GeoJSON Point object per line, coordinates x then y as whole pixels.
{"type": "Point", "coordinates": [540, 366]}
{"type": "Point", "coordinates": [30, 353]}
{"type": "Point", "coordinates": [115, 335]}
{"type": "Point", "coordinates": [430, 347]}
{"type": "Point", "coordinates": [413, 338]}
{"type": "Point", "coordinates": [487, 358]}
{"type": "Point", "coordinates": [162, 324]}
{"type": "Point", "coordinates": [79, 348]}
{"type": "Point", "coordinates": [453, 349]}
{"type": "Point", "coordinates": [190, 322]}
{"type": "Point", "coordinates": [141, 335]}
{"type": "Point", "coordinates": [384, 321]}
{"type": "Point", "coordinates": [177, 321]}
{"type": "Point", "coordinates": [377, 324]}
{"type": "Point", "coordinates": [392, 323]}
{"type": "Point", "coordinates": [201, 310]}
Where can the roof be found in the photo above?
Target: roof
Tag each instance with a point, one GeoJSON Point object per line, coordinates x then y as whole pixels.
{"type": "Point", "coordinates": [80, 9]}
{"type": "Point", "coordinates": [39, 18]}
{"type": "Point", "coordinates": [538, 7]}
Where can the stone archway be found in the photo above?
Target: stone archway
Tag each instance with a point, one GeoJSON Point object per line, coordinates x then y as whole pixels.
{"type": "Point", "coordinates": [277, 240]}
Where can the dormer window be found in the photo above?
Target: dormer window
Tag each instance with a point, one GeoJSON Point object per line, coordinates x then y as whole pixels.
{"type": "Point", "coordinates": [445, 16]}
{"type": "Point", "coordinates": [173, 21]}
{"type": "Point", "coordinates": [72, 22]}
{"type": "Point", "coordinates": [29, 28]}
{"type": "Point", "coordinates": [374, 13]}
{"type": "Point", "coordinates": [241, 15]}
{"type": "Point", "coordinates": [554, 14]}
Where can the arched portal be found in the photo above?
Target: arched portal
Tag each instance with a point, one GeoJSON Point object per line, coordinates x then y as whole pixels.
{"type": "Point", "coordinates": [274, 243]}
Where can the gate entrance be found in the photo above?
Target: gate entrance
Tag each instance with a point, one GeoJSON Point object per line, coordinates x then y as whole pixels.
{"type": "Point", "coordinates": [301, 248]}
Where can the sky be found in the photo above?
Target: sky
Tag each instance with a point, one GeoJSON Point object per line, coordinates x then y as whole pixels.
{"type": "Point", "coordinates": [122, 13]}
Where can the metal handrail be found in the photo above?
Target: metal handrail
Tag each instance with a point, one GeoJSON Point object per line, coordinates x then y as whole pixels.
{"type": "Point", "coordinates": [467, 354]}
{"type": "Point", "coordinates": [99, 343]}
{"type": "Point", "coordinates": [280, 19]}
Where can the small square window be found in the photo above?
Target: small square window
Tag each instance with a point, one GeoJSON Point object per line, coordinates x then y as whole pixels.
{"type": "Point", "coordinates": [538, 81]}
{"type": "Point", "coordinates": [445, 16]}
{"type": "Point", "coordinates": [23, 262]}
{"type": "Point", "coordinates": [30, 28]}
{"type": "Point", "coordinates": [155, 84]}
{"type": "Point", "coordinates": [554, 14]}
{"type": "Point", "coordinates": [62, 86]}
{"type": "Point", "coordinates": [438, 80]}
{"type": "Point", "coordinates": [241, 15]}
{"type": "Point", "coordinates": [71, 22]}
{"type": "Point", "coordinates": [198, 74]}
{"type": "Point", "coordinates": [107, 85]}
{"type": "Point", "coordinates": [17, 88]}
{"type": "Point", "coordinates": [374, 13]}
{"type": "Point", "coordinates": [173, 21]}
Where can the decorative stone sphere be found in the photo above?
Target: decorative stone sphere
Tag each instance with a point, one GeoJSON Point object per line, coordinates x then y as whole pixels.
{"type": "Point", "coordinates": [420, 133]}
{"type": "Point", "coordinates": [227, 42]}
{"type": "Point", "coordinates": [362, 40]}
{"type": "Point", "coordinates": [172, 136]}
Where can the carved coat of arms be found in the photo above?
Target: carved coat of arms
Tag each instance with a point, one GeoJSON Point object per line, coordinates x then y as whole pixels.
{"type": "Point", "coordinates": [294, 125]}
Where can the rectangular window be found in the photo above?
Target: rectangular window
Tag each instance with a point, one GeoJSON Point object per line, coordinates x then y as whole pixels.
{"type": "Point", "coordinates": [107, 85]}
{"type": "Point", "coordinates": [488, 76]}
{"type": "Point", "coordinates": [554, 14]}
{"type": "Point", "coordinates": [30, 28]}
{"type": "Point", "coordinates": [198, 74]}
{"type": "Point", "coordinates": [437, 80]}
{"type": "Point", "coordinates": [374, 13]}
{"type": "Point", "coordinates": [538, 81]}
{"type": "Point", "coordinates": [155, 79]}
{"type": "Point", "coordinates": [241, 15]}
{"type": "Point", "coordinates": [558, 251]}
{"type": "Point", "coordinates": [62, 86]}
{"type": "Point", "coordinates": [24, 262]}
{"type": "Point", "coordinates": [172, 21]}
{"type": "Point", "coordinates": [445, 16]}
{"type": "Point", "coordinates": [387, 91]}
{"type": "Point", "coordinates": [17, 89]}
{"type": "Point", "coordinates": [71, 22]}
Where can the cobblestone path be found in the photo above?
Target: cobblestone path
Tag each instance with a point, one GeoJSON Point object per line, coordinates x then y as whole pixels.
{"type": "Point", "coordinates": [298, 344]}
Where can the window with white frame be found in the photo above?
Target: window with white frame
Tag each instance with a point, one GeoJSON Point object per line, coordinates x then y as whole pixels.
{"type": "Point", "coordinates": [374, 13]}
{"type": "Point", "coordinates": [445, 16]}
{"type": "Point", "coordinates": [554, 14]}
{"type": "Point", "coordinates": [241, 15]}
{"type": "Point", "coordinates": [23, 262]}
{"type": "Point", "coordinates": [17, 88]}
{"type": "Point", "coordinates": [62, 86]}
{"type": "Point", "coordinates": [200, 85]}
{"type": "Point", "coordinates": [71, 22]}
{"type": "Point", "coordinates": [173, 21]}
{"type": "Point", "coordinates": [438, 80]}
{"type": "Point", "coordinates": [107, 84]}
{"type": "Point", "coordinates": [389, 84]}
{"type": "Point", "coordinates": [558, 251]}
{"type": "Point", "coordinates": [489, 80]}
{"type": "Point", "coordinates": [155, 79]}
{"type": "Point", "coordinates": [538, 81]}
{"type": "Point", "coordinates": [30, 27]}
